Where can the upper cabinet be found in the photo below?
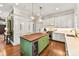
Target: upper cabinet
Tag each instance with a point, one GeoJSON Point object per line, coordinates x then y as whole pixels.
{"type": "Point", "coordinates": [65, 21]}
{"type": "Point", "coordinates": [60, 21]}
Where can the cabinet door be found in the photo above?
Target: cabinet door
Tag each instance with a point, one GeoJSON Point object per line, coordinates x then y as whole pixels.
{"type": "Point", "coordinates": [26, 47]}
{"type": "Point", "coordinates": [59, 37]}
{"type": "Point", "coordinates": [42, 43]}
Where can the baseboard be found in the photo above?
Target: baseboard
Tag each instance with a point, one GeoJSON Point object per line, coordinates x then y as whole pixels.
{"type": "Point", "coordinates": [57, 41]}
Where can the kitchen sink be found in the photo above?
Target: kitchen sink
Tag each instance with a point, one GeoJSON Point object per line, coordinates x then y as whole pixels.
{"type": "Point", "coordinates": [70, 35]}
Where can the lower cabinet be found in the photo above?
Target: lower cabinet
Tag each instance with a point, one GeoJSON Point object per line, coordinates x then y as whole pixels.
{"type": "Point", "coordinates": [26, 47]}
{"type": "Point", "coordinates": [42, 43]}
{"type": "Point", "coordinates": [66, 49]}
{"type": "Point", "coordinates": [58, 37]}
{"type": "Point", "coordinates": [33, 48]}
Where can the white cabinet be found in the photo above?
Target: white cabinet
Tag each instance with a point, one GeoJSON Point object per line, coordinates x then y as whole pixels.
{"type": "Point", "coordinates": [58, 37]}
{"type": "Point", "coordinates": [21, 25]}
{"type": "Point", "coordinates": [38, 26]}
{"type": "Point", "coordinates": [60, 21]}
{"type": "Point", "coordinates": [57, 22]}
{"type": "Point", "coordinates": [64, 21]}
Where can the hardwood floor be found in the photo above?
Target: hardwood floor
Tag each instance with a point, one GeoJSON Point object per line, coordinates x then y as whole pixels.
{"type": "Point", "coordinates": [12, 50]}
{"type": "Point", "coordinates": [54, 49]}
{"type": "Point", "coordinates": [2, 48]}
{"type": "Point", "coordinates": [9, 50]}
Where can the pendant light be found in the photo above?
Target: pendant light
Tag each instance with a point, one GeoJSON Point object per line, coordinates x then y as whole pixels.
{"type": "Point", "coordinates": [40, 17]}
{"type": "Point", "coordinates": [32, 17]}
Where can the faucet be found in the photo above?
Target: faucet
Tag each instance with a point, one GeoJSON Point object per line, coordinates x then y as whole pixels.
{"type": "Point", "coordinates": [75, 33]}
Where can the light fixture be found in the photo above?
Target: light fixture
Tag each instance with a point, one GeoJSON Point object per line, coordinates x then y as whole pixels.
{"type": "Point", "coordinates": [32, 17]}
{"type": "Point", "coordinates": [1, 5]}
{"type": "Point", "coordinates": [40, 17]}
{"type": "Point", "coordinates": [40, 20]}
{"type": "Point", "coordinates": [17, 3]}
{"type": "Point", "coordinates": [57, 8]}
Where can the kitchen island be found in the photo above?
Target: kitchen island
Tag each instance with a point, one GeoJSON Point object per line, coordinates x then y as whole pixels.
{"type": "Point", "coordinates": [33, 44]}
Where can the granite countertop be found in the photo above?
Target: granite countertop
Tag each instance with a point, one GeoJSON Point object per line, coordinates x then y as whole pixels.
{"type": "Point", "coordinates": [33, 37]}
{"type": "Point", "coordinates": [72, 45]}
{"type": "Point", "coordinates": [65, 31]}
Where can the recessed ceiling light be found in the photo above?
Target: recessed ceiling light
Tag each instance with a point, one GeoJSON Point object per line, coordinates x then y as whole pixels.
{"type": "Point", "coordinates": [1, 5]}
{"type": "Point", "coordinates": [57, 8]}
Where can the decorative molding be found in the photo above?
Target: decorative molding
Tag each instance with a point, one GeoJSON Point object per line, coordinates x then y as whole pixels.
{"type": "Point", "coordinates": [59, 14]}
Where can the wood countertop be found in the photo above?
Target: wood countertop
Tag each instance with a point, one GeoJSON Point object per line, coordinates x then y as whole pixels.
{"type": "Point", "coordinates": [33, 37]}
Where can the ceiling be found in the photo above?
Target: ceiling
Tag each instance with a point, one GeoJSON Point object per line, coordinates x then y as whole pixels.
{"type": "Point", "coordinates": [47, 8]}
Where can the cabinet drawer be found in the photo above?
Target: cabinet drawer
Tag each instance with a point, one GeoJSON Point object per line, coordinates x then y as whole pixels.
{"type": "Point", "coordinates": [42, 43]}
